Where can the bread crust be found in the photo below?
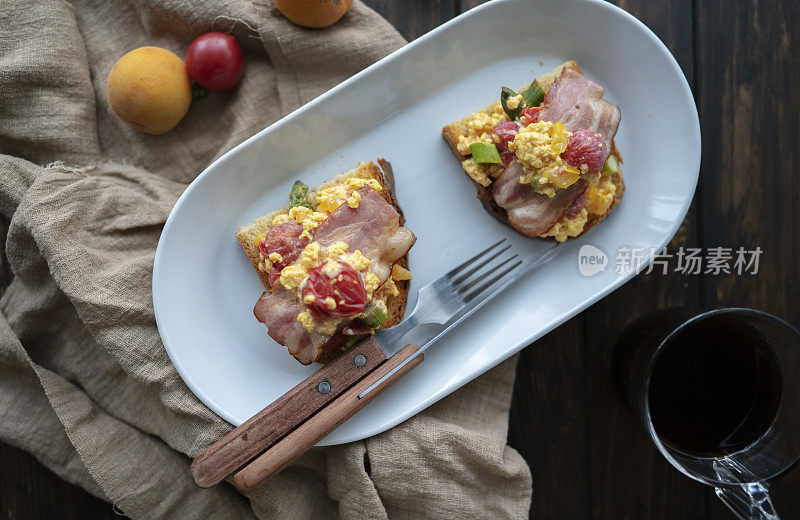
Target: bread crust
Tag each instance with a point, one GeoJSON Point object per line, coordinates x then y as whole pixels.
{"type": "Point", "coordinates": [454, 130]}
{"type": "Point", "coordinates": [395, 305]}
{"type": "Point", "coordinates": [251, 250]}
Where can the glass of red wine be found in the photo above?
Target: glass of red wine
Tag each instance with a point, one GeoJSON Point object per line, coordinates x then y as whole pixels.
{"type": "Point", "coordinates": [718, 392]}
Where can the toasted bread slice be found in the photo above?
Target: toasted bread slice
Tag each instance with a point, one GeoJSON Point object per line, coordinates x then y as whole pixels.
{"type": "Point", "coordinates": [482, 178]}
{"type": "Point", "coordinates": [250, 235]}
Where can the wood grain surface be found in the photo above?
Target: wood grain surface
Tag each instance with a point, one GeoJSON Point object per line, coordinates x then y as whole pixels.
{"type": "Point", "coordinates": [588, 458]}
{"type": "Point", "coordinates": [282, 453]}
{"type": "Point", "coordinates": [240, 446]}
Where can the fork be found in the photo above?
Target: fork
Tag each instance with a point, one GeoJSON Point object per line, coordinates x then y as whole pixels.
{"type": "Point", "coordinates": [296, 421]}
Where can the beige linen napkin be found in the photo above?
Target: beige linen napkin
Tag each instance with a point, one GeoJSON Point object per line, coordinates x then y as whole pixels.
{"type": "Point", "coordinates": [85, 383]}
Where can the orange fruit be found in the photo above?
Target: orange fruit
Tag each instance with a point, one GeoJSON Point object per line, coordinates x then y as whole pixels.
{"type": "Point", "coordinates": [150, 89]}
{"type": "Point", "coordinates": [313, 13]}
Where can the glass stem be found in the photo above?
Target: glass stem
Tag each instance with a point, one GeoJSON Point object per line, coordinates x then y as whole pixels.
{"type": "Point", "coordinates": [749, 501]}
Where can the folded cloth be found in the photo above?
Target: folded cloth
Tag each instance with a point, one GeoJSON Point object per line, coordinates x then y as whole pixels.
{"type": "Point", "coordinates": [85, 383]}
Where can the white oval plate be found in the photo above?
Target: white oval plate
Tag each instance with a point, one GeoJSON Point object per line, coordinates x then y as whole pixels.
{"type": "Point", "coordinates": [204, 288]}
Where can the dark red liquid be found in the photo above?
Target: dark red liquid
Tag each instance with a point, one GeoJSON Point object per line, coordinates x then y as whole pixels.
{"type": "Point", "coordinates": [715, 388]}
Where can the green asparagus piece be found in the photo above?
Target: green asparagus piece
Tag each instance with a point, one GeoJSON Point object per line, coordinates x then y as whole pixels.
{"type": "Point", "coordinates": [298, 196]}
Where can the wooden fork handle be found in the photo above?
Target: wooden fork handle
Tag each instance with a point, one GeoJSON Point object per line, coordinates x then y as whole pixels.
{"type": "Point", "coordinates": [323, 422]}
{"type": "Point", "coordinates": [244, 443]}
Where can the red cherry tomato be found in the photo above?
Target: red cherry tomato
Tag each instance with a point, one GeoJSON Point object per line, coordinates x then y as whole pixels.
{"type": "Point", "coordinates": [505, 132]}
{"type": "Point", "coordinates": [215, 61]}
{"type": "Point", "coordinates": [346, 288]}
{"type": "Point", "coordinates": [586, 147]}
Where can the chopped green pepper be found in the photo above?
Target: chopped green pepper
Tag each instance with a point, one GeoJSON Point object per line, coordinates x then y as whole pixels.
{"type": "Point", "coordinates": [298, 196]}
{"type": "Point", "coordinates": [374, 316]}
{"type": "Point", "coordinates": [512, 113]}
{"type": "Point", "coordinates": [533, 95]}
{"type": "Point", "coordinates": [611, 166]}
{"type": "Point", "coordinates": [483, 153]}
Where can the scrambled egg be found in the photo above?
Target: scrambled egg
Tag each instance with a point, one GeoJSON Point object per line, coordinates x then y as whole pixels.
{"type": "Point", "coordinates": [329, 199]}
{"type": "Point", "coordinates": [371, 282]}
{"type": "Point", "coordinates": [514, 101]}
{"type": "Point", "coordinates": [476, 171]}
{"type": "Point", "coordinates": [482, 122]}
{"type": "Point", "coordinates": [568, 227]}
{"type": "Point", "coordinates": [311, 324]}
{"type": "Point", "coordinates": [539, 146]}
{"type": "Point", "coordinates": [358, 261]}
{"type": "Point", "coordinates": [389, 288]}
{"type": "Point", "coordinates": [354, 200]}
{"type": "Point", "coordinates": [479, 128]}
{"type": "Point", "coordinates": [599, 197]}
{"type": "Point", "coordinates": [337, 249]}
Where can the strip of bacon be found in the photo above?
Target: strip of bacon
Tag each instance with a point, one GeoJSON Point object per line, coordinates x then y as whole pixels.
{"type": "Point", "coordinates": [374, 229]}
{"type": "Point", "coordinates": [278, 311]}
{"type": "Point", "coordinates": [569, 88]}
{"type": "Point", "coordinates": [577, 204]}
{"type": "Point", "coordinates": [578, 103]}
{"type": "Point", "coordinates": [530, 212]}
{"type": "Point", "coordinates": [285, 240]}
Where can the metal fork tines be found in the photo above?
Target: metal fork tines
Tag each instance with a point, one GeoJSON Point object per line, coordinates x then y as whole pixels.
{"type": "Point", "coordinates": [481, 265]}
{"type": "Point", "coordinates": [452, 293]}
{"type": "Point", "coordinates": [461, 291]}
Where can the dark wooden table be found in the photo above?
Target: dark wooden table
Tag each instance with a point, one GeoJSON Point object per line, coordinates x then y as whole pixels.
{"type": "Point", "coordinates": [588, 458]}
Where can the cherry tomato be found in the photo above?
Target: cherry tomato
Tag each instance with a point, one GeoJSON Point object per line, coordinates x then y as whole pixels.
{"type": "Point", "coordinates": [215, 61]}
{"type": "Point", "coordinates": [346, 288]}
{"type": "Point", "coordinates": [505, 132]}
{"type": "Point", "coordinates": [586, 147]}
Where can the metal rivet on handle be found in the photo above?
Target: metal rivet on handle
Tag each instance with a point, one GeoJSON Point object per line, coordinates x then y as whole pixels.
{"type": "Point", "coordinates": [360, 360]}
{"type": "Point", "coordinates": [324, 387]}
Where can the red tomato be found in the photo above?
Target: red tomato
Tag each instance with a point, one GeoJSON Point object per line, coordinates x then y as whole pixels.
{"type": "Point", "coordinates": [346, 289]}
{"type": "Point", "coordinates": [530, 115]}
{"type": "Point", "coordinates": [215, 61]}
{"type": "Point", "coordinates": [505, 132]}
{"type": "Point", "coordinates": [586, 147]}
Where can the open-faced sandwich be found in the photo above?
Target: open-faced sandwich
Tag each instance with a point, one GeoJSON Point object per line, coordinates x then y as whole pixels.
{"type": "Point", "coordinates": [543, 158]}
{"type": "Point", "coordinates": [334, 263]}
